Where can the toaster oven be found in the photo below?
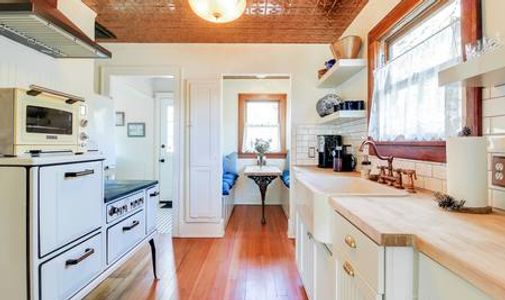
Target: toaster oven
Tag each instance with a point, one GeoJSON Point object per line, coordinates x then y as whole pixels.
{"type": "Point", "coordinates": [41, 120]}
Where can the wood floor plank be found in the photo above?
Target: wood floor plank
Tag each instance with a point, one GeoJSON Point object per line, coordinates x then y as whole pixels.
{"type": "Point", "coordinates": [251, 262]}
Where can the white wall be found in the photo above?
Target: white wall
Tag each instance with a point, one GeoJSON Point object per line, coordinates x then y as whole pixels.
{"type": "Point", "coordinates": [135, 96]}
{"type": "Point", "coordinates": [211, 61]}
{"type": "Point", "coordinates": [134, 156]}
{"type": "Point", "coordinates": [246, 191]}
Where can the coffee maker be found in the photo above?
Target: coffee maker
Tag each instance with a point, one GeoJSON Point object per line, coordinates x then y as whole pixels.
{"type": "Point", "coordinates": [344, 160]}
{"type": "Point", "coordinates": [326, 147]}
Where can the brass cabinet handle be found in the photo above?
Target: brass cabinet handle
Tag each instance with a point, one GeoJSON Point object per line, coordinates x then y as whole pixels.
{"type": "Point", "coordinates": [87, 253]}
{"type": "Point", "coordinates": [350, 241]}
{"type": "Point", "coordinates": [348, 269]}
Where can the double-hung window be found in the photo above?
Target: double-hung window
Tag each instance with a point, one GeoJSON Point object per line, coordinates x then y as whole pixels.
{"type": "Point", "coordinates": [262, 116]}
{"type": "Point", "coordinates": [409, 111]}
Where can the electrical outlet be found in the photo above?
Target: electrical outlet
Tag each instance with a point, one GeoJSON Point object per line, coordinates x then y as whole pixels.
{"type": "Point", "coordinates": [498, 170]}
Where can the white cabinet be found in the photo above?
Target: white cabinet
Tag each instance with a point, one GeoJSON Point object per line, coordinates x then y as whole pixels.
{"type": "Point", "coordinates": [124, 235]}
{"type": "Point", "coordinates": [65, 274]}
{"type": "Point", "coordinates": [350, 285]}
{"type": "Point", "coordinates": [205, 163]}
{"type": "Point", "coordinates": [315, 264]}
{"type": "Point", "coordinates": [152, 196]}
{"type": "Point", "coordinates": [438, 283]}
{"type": "Point", "coordinates": [70, 203]}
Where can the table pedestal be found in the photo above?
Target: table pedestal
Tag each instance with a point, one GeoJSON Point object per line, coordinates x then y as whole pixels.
{"type": "Point", "coordinates": [262, 182]}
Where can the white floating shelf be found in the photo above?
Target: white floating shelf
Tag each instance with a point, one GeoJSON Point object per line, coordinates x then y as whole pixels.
{"type": "Point", "coordinates": [341, 71]}
{"type": "Point", "coordinates": [343, 116]}
{"type": "Point", "coordinates": [487, 70]}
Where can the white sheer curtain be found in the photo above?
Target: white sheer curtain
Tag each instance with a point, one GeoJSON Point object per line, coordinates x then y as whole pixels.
{"type": "Point", "coordinates": [262, 122]}
{"type": "Point", "coordinates": [408, 104]}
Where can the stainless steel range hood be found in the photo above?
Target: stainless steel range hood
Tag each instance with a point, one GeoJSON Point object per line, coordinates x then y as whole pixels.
{"type": "Point", "coordinates": [38, 24]}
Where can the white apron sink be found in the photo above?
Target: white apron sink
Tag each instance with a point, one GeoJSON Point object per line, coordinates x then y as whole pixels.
{"type": "Point", "coordinates": [312, 193]}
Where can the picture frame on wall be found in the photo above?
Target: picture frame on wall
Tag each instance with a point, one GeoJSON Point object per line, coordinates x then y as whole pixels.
{"type": "Point", "coordinates": [120, 118]}
{"type": "Point", "coordinates": [136, 130]}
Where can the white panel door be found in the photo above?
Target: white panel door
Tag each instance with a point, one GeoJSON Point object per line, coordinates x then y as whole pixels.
{"type": "Point", "coordinates": [205, 165]}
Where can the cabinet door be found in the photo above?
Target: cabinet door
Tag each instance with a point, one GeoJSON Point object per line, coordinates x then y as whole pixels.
{"type": "Point", "coordinates": [438, 283]}
{"type": "Point", "coordinates": [325, 278]}
{"type": "Point", "coordinates": [349, 284]}
{"type": "Point", "coordinates": [70, 203]}
{"type": "Point", "coordinates": [205, 163]}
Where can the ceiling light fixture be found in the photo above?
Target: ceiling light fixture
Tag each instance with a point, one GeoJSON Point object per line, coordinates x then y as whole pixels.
{"type": "Point", "coordinates": [218, 11]}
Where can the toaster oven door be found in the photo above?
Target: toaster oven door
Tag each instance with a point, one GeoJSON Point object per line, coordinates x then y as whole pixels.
{"type": "Point", "coordinates": [46, 120]}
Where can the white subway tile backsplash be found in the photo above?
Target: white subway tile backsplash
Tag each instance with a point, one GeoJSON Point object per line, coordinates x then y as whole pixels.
{"type": "Point", "coordinates": [433, 184]}
{"type": "Point", "coordinates": [424, 169]}
{"type": "Point", "coordinates": [497, 125]}
{"type": "Point", "coordinates": [493, 107]}
{"type": "Point", "coordinates": [439, 172]}
{"type": "Point", "coordinates": [497, 198]}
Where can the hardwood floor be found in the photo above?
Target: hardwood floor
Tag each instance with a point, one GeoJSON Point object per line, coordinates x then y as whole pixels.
{"type": "Point", "coordinates": [250, 262]}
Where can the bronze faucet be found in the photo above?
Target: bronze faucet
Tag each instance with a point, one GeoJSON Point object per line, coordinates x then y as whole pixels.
{"type": "Point", "coordinates": [395, 180]}
{"type": "Point", "coordinates": [369, 141]}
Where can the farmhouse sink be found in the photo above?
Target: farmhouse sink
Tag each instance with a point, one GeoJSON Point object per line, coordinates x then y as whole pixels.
{"type": "Point", "coordinates": [312, 193]}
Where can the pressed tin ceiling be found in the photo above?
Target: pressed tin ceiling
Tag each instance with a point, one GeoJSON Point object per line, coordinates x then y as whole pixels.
{"type": "Point", "coordinates": [264, 21]}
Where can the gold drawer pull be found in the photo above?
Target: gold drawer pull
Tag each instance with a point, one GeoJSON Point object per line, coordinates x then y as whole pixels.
{"type": "Point", "coordinates": [350, 241]}
{"type": "Point", "coordinates": [348, 269]}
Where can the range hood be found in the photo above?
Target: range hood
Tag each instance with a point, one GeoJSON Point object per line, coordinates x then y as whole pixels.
{"type": "Point", "coordinates": [39, 24]}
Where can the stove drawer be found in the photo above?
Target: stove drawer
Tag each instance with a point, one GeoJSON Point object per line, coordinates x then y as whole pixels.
{"type": "Point", "coordinates": [124, 235]}
{"type": "Point", "coordinates": [63, 276]}
{"type": "Point", "coordinates": [70, 203]}
{"type": "Point", "coordinates": [153, 200]}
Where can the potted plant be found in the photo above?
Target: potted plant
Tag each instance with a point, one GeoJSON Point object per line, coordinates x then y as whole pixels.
{"type": "Point", "coordinates": [261, 146]}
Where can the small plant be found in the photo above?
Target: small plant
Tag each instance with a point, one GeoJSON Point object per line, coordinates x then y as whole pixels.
{"type": "Point", "coordinates": [262, 146]}
{"type": "Point", "coordinates": [466, 131]}
{"type": "Point", "coordinates": [448, 202]}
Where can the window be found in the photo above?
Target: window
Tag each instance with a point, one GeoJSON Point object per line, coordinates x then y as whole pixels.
{"type": "Point", "coordinates": [410, 115]}
{"type": "Point", "coordinates": [262, 116]}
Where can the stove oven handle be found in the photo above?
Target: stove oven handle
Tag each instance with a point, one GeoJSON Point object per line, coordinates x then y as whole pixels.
{"type": "Point", "coordinates": [87, 253]}
{"type": "Point", "coordinates": [133, 225]}
{"type": "Point", "coordinates": [79, 173]}
{"type": "Point", "coordinates": [154, 194]}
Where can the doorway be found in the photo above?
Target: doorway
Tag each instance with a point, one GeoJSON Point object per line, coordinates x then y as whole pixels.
{"type": "Point", "coordinates": [165, 145]}
{"type": "Point", "coordinates": [149, 95]}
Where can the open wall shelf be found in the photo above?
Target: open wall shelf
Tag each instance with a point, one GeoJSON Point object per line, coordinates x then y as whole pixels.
{"type": "Point", "coordinates": [341, 71]}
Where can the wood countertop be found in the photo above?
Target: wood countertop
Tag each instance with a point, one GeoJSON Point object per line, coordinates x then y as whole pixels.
{"type": "Point", "coordinates": [472, 246]}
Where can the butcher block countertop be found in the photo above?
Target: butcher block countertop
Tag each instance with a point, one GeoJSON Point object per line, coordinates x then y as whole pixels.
{"type": "Point", "coordinates": [472, 246]}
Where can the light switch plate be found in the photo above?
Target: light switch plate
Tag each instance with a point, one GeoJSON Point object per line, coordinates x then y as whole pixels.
{"type": "Point", "coordinates": [312, 152]}
{"type": "Point", "coordinates": [498, 170]}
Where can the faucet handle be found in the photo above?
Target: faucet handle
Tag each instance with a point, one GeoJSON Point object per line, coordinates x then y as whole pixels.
{"type": "Point", "coordinates": [410, 173]}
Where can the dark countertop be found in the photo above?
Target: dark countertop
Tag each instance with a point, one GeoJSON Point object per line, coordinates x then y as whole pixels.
{"type": "Point", "coordinates": [118, 188]}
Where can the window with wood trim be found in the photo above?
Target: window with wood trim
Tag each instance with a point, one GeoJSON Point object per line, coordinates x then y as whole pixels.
{"type": "Point", "coordinates": [409, 115]}
{"type": "Point", "coordinates": [262, 116]}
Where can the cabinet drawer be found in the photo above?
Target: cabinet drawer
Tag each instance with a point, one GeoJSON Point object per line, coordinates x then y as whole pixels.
{"type": "Point", "coordinates": [350, 283]}
{"type": "Point", "coordinates": [124, 235]}
{"type": "Point", "coordinates": [70, 203]}
{"type": "Point", "coordinates": [63, 276]}
{"type": "Point", "coordinates": [364, 254]}
{"type": "Point", "coordinates": [153, 198]}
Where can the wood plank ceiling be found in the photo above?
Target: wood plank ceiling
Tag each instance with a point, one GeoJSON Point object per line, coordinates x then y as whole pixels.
{"type": "Point", "coordinates": [264, 21]}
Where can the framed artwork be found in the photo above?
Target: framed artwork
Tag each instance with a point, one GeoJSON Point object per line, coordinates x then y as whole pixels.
{"type": "Point", "coordinates": [120, 119]}
{"type": "Point", "coordinates": [136, 129]}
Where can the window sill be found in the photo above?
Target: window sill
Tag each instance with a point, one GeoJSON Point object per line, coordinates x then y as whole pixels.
{"type": "Point", "coordinates": [278, 155]}
{"type": "Point", "coordinates": [425, 151]}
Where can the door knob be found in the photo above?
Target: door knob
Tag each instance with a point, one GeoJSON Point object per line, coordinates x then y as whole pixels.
{"type": "Point", "coordinates": [163, 146]}
{"type": "Point", "coordinates": [162, 160]}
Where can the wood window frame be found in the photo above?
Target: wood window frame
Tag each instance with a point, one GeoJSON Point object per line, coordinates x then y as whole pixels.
{"type": "Point", "coordinates": [242, 107]}
{"type": "Point", "coordinates": [471, 30]}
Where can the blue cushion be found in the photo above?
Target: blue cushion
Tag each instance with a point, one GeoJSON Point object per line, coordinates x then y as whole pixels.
{"type": "Point", "coordinates": [288, 161]}
{"type": "Point", "coordinates": [285, 178]}
{"type": "Point", "coordinates": [230, 163]}
{"type": "Point", "coordinates": [226, 188]}
{"type": "Point", "coordinates": [230, 176]}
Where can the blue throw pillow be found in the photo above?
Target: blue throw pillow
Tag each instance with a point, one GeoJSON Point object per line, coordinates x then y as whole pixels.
{"type": "Point", "coordinates": [288, 160]}
{"type": "Point", "coordinates": [226, 188]}
{"type": "Point", "coordinates": [230, 163]}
